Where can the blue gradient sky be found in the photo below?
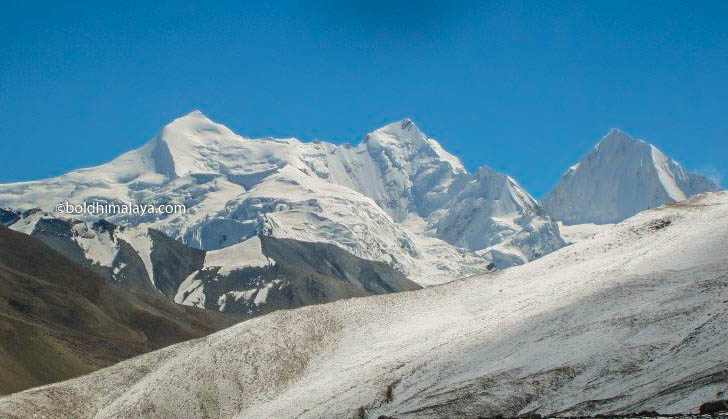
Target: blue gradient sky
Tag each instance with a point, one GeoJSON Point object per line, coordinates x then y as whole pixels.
{"type": "Point", "coordinates": [524, 87]}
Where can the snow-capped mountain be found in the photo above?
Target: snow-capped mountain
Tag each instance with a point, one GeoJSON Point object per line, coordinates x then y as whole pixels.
{"type": "Point", "coordinates": [632, 319]}
{"type": "Point", "coordinates": [619, 178]}
{"type": "Point", "coordinates": [614, 323]}
{"type": "Point", "coordinates": [494, 215]}
{"type": "Point", "coordinates": [386, 200]}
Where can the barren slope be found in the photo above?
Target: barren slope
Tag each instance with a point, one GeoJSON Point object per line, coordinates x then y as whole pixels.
{"type": "Point", "coordinates": [633, 319]}
{"type": "Point", "coordinates": [59, 320]}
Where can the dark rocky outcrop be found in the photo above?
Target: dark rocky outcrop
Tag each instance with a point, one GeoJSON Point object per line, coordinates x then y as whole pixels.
{"type": "Point", "coordinates": [302, 273]}
{"type": "Point", "coordinates": [329, 260]}
{"type": "Point", "coordinates": [714, 407]}
{"type": "Point", "coordinates": [8, 216]}
{"type": "Point", "coordinates": [172, 262]}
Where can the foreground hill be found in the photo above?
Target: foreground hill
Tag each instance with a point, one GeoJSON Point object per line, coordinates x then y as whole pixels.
{"type": "Point", "coordinates": [59, 320]}
{"type": "Point", "coordinates": [633, 319]}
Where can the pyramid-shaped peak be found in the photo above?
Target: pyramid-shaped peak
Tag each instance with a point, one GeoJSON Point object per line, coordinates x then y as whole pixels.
{"type": "Point", "coordinates": [194, 124]}
{"type": "Point", "coordinates": [196, 113]}
{"type": "Point", "coordinates": [194, 117]}
{"type": "Point", "coordinates": [492, 179]}
{"type": "Point", "coordinates": [619, 178]}
{"type": "Point", "coordinates": [404, 128]}
{"type": "Point", "coordinates": [407, 124]}
{"type": "Point", "coordinates": [617, 135]}
{"type": "Point", "coordinates": [400, 133]}
{"type": "Point", "coordinates": [616, 132]}
{"type": "Point", "coordinates": [618, 138]}
{"type": "Point", "coordinates": [404, 135]}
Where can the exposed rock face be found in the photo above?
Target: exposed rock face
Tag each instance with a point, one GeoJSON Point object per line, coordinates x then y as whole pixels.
{"type": "Point", "coordinates": [619, 178]}
{"type": "Point", "coordinates": [102, 247]}
{"type": "Point", "coordinates": [714, 408]}
{"type": "Point", "coordinates": [297, 274]}
{"type": "Point", "coordinates": [172, 262]}
{"type": "Point", "coordinates": [8, 216]}
{"type": "Point", "coordinates": [259, 275]}
{"type": "Point", "coordinates": [331, 261]}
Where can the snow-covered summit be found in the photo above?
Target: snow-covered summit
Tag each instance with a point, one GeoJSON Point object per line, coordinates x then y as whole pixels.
{"type": "Point", "coordinates": [495, 215]}
{"type": "Point", "coordinates": [401, 131]}
{"type": "Point", "coordinates": [506, 191]}
{"type": "Point", "coordinates": [620, 177]}
{"type": "Point", "coordinates": [618, 138]}
{"type": "Point", "coordinates": [407, 137]}
{"type": "Point", "coordinates": [364, 199]}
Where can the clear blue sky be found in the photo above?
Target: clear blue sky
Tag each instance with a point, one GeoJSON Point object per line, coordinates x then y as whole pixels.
{"type": "Point", "coordinates": [524, 87]}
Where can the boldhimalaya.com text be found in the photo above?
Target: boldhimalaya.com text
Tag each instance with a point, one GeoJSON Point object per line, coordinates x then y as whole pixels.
{"type": "Point", "coordinates": [106, 208]}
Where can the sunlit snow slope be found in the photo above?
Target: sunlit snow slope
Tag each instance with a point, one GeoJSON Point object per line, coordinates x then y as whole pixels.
{"type": "Point", "coordinates": [633, 319]}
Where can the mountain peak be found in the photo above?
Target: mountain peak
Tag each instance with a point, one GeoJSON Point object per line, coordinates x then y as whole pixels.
{"type": "Point", "coordinates": [411, 143]}
{"type": "Point", "coordinates": [192, 119]}
{"type": "Point", "coordinates": [407, 124]}
{"type": "Point", "coordinates": [195, 113]}
{"type": "Point", "coordinates": [494, 182]}
{"type": "Point", "coordinates": [616, 132]}
{"type": "Point", "coordinates": [619, 178]}
{"type": "Point", "coordinates": [404, 130]}
{"type": "Point", "coordinates": [184, 145]}
{"type": "Point", "coordinates": [194, 126]}
{"type": "Point", "coordinates": [617, 137]}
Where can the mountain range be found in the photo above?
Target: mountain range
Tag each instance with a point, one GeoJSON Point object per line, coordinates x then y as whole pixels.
{"type": "Point", "coordinates": [386, 280]}
{"type": "Point", "coordinates": [281, 223]}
